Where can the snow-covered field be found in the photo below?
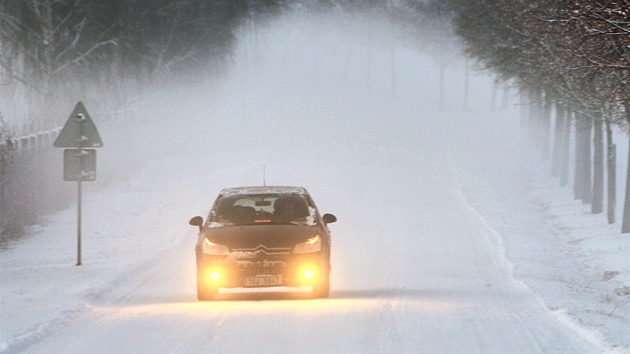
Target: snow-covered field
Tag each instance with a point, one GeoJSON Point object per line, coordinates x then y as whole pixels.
{"type": "Point", "coordinates": [451, 236]}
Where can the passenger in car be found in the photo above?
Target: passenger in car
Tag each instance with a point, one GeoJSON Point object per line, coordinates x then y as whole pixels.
{"type": "Point", "coordinates": [289, 209]}
{"type": "Point", "coordinates": [241, 215]}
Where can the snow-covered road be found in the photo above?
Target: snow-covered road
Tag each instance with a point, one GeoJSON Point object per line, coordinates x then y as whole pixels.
{"type": "Point", "coordinates": [431, 204]}
{"type": "Point", "coordinates": [416, 268]}
{"type": "Point", "coordinates": [158, 316]}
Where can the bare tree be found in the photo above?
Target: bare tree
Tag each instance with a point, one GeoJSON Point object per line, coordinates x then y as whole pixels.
{"type": "Point", "coordinates": [576, 51]}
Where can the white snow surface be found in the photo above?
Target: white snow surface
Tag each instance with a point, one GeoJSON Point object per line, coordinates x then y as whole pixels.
{"type": "Point", "coordinates": [452, 237]}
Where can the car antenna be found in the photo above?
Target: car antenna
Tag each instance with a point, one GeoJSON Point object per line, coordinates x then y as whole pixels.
{"type": "Point", "coordinates": [264, 182]}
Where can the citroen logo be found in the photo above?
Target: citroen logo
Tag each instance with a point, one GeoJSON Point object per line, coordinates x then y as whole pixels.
{"type": "Point", "coordinates": [262, 249]}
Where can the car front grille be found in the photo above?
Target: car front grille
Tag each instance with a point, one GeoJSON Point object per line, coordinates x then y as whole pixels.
{"type": "Point", "coordinates": [246, 253]}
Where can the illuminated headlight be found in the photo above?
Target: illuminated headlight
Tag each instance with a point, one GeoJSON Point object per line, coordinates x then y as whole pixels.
{"type": "Point", "coordinates": [309, 274]}
{"type": "Point", "coordinates": [213, 249]}
{"type": "Point", "coordinates": [313, 244]}
{"type": "Point", "coordinates": [215, 276]}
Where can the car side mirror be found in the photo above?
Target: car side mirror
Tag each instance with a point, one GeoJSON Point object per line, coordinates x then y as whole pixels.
{"type": "Point", "coordinates": [329, 218]}
{"type": "Point", "coordinates": [196, 221]}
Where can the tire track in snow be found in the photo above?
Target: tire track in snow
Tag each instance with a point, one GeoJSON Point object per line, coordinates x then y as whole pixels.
{"type": "Point", "coordinates": [492, 240]}
{"type": "Point", "coordinates": [97, 293]}
{"type": "Point", "coordinates": [43, 330]}
{"type": "Point", "coordinates": [386, 318]}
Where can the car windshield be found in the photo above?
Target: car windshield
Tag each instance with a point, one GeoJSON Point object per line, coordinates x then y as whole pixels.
{"type": "Point", "coordinates": [262, 209]}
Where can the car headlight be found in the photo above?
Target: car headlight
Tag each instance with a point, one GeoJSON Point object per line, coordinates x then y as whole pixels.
{"type": "Point", "coordinates": [313, 244]}
{"type": "Point", "coordinates": [309, 274]}
{"type": "Point", "coordinates": [214, 249]}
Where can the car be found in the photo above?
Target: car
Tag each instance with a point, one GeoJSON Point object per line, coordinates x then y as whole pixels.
{"type": "Point", "coordinates": [265, 236]}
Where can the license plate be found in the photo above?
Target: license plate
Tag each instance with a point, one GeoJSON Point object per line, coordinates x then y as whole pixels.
{"type": "Point", "coordinates": [264, 280]}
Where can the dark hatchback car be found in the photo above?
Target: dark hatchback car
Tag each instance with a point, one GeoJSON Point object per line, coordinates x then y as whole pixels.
{"type": "Point", "coordinates": [263, 237]}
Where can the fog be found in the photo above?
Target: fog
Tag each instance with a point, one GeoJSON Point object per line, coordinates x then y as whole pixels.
{"type": "Point", "coordinates": [315, 88]}
{"type": "Point", "coordinates": [447, 224]}
{"type": "Point", "coordinates": [327, 104]}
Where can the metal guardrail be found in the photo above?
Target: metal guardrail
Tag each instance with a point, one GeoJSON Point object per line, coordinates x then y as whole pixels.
{"type": "Point", "coordinates": [26, 187]}
{"type": "Point", "coordinates": [32, 142]}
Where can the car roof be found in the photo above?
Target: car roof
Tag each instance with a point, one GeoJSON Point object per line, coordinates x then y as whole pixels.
{"type": "Point", "coordinates": [264, 190]}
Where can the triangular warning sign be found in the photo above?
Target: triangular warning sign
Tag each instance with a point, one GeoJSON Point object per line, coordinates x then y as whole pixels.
{"type": "Point", "coordinates": [79, 129]}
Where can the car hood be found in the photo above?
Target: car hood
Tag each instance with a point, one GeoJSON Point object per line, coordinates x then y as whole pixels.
{"type": "Point", "coordinates": [256, 237]}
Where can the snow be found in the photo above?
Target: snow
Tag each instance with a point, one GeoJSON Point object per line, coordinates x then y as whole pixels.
{"type": "Point", "coordinates": [451, 236]}
{"type": "Point", "coordinates": [263, 190]}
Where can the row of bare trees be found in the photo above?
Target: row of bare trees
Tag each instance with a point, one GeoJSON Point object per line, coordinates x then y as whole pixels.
{"type": "Point", "coordinates": [571, 57]}
{"type": "Point", "coordinates": [54, 49]}
{"type": "Point", "coordinates": [54, 53]}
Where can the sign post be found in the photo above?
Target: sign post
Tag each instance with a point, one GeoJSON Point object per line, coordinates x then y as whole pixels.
{"type": "Point", "coordinates": [79, 133]}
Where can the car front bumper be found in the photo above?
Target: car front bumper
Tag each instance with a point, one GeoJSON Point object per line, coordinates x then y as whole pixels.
{"type": "Point", "coordinates": [288, 270]}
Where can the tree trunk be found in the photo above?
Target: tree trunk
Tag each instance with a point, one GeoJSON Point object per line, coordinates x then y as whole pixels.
{"type": "Point", "coordinates": [392, 72]}
{"type": "Point", "coordinates": [587, 185]}
{"type": "Point", "coordinates": [597, 205]}
{"type": "Point", "coordinates": [558, 141]}
{"type": "Point", "coordinates": [345, 67]}
{"type": "Point", "coordinates": [566, 147]}
{"type": "Point", "coordinates": [466, 86]}
{"type": "Point", "coordinates": [583, 186]}
{"type": "Point", "coordinates": [493, 99]}
{"type": "Point", "coordinates": [579, 158]}
{"type": "Point", "coordinates": [612, 172]}
{"type": "Point", "coordinates": [533, 130]}
{"type": "Point", "coordinates": [545, 126]}
{"type": "Point", "coordinates": [441, 102]}
{"type": "Point", "coordinates": [523, 106]}
{"type": "Point", "coordinates": [505, 103]}
{"type": "Point", "coordinates": [625, 226]}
